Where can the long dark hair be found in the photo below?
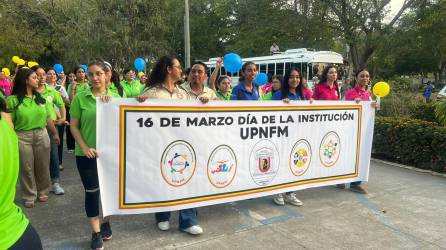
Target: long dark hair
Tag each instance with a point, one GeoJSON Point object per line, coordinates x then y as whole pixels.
{"type": "Point", "coordinates": [356, 76]}
{"type": "Point", "coordinates": [246, 64]}
{"type": "Point", "coordinates": [159, 71]}
{"type": "Point", "coordinates": [19, 88]}
{"type": "Point", "coordinates": [3, 107]}
{"type": "Point", "coordinates": [116, 80]}
{"type": "Point", "coordinates": [324, 77]}
{"type": "Point", "coordinates": [286, 86]}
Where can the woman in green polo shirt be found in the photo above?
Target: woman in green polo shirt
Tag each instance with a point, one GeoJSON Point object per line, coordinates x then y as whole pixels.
{"type": "Point", "coordinates": [132, 87]}
{"type": "Point", "coordinates": [112, 80]}
{"type": "Point", "coordinates": [80, 85]}
{"type": "Point", "coordinates": [30, 113]}
{"type": "Point", "coordinates": [15, 230]}
{"type": "Point", "coordinates": [224, 88]}
{"type": "Point", "coordinates": [83, 128]}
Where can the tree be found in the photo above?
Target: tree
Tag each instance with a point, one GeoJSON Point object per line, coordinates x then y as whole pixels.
{"type": "Point", "coordinates": [362, 25]}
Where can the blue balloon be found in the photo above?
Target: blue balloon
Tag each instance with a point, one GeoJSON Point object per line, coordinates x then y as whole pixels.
{"type": "Point", "coordinates": [232, 62]}
{"type": "Point", "coordinates": [261, 79]}
{"type": "Point", "coordinates": [84, 67]}
{"type": "Point", "coordinates": [139, 64]}
{"type": "Point", "coordinates": [58, 68]}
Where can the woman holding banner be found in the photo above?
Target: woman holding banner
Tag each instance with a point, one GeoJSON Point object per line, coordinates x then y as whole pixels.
{"type": "Point", "coordinates": [83, 128]}
{"type": "Point", "coordinates": [246, 88]}
{"type": "Point", "coordinates": [292, 89]}
{"type": "Point", "coordinates": [359, 93]}
{"type": "Point", "coordinates": [161, 84]}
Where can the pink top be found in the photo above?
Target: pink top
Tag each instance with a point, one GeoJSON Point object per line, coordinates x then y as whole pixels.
{"type": "Point", "coordinates": [324, 92]}
{"type": "Point", "coordinates": [6, 85]}
{"type": "Point", "coordinates": [356, 92]}
{"type": "Point", "coordinates": [308, 94]}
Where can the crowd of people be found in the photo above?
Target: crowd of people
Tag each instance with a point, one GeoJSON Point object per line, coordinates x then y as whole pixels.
{"type": "Point", "coordinates": [39, 107]}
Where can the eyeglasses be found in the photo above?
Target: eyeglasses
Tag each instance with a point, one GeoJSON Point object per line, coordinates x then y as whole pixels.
{"type": "Point", "coordinates": [97, 74]}
{"type": "Point", "coordinates": [177, 66]}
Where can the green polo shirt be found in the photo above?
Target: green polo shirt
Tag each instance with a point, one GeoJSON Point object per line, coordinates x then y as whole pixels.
{"type": "Point", "coordinates": [112, 88]}
{"type": "Point", "coordinates": [12, 220]}
{"type": "Point", "coordinates": [223, 97]}
{"type": "Point", "coordinates": [133, 88]}
{"type": "Point", "coordinates": [80, 87]}
{"type": "Point", "coordinates": [28, 115]}
{"type": "Point", "coordinates": [83, 108]}
{"type": "Point", "coordinates": [54, 99]}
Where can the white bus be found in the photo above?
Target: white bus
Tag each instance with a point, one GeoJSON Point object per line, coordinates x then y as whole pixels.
{"type": "Point", "coordinates": [309, 62]}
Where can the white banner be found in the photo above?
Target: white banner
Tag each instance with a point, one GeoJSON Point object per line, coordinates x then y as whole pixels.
{"type": "Point", "coordinates": [167, 155]}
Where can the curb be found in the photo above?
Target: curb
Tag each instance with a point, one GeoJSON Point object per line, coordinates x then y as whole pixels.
{"type": "Point", "coordinates": [409, 167]}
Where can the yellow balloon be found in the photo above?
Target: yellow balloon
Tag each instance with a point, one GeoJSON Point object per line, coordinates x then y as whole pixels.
{"type": "Point", "coordinates": [381, 89]}
{"type": "Point", "coordinates": [32, 64]}
{"type": "Point", "coordinates": [6, 72]}
{"type": "Point", "coordinates": [21, 62]}
{"type": "Point", "coordinates": [140, 74]}
{"type": "Point", "coordinates": [15, 59]}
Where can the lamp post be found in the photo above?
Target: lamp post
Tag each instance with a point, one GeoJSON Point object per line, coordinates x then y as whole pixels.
{"type": "Point", "coordinates": [186, 34]}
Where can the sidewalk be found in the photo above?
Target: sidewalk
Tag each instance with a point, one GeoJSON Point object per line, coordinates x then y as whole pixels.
{"type": "Point", "coordinates": [404, 210]}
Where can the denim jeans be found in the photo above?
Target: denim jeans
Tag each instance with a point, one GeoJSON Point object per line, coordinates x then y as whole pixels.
{"type": "Point", "coordinates": [61, 130]}
{"type": "Point", "coordinates": [356, 183]}
{"type": "Point", "coordinates": [188, 217]}
{"type": "Point", "coordinates": [54, 161]}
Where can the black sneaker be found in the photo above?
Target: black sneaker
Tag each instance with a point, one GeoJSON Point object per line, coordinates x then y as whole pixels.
{"type": "Point", "coordinates": [106, 231]}
{"type": "Point", "coordinates": [96, 241]}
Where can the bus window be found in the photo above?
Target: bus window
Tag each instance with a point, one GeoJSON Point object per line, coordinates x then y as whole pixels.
{"type": "Point", "coordinates": [279, 69]}
{"type": "Point", "coordinates": [287, 66]}
{"type": "Point", "coordinates": [272, 68]}
{"type": "Point", "coordinates": [223, 71]}
{"type": "Point", "coordinates": [262, 68]}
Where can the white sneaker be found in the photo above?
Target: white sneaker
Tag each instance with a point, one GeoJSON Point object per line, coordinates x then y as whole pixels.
{"type": "Point", "coordinates": [70, 151]}
{"type": "Point", "coordinates": [292, 199]}
{"type": "Point", "coordinates": [163, 225]}
{"type": "Point", "coordinates": [194, 230]}
{"type": "Point", "coordinates": [278, 199]}
{"type": "Point", "coordinates": [57, 189]}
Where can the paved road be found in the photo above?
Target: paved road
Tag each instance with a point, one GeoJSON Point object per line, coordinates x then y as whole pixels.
{"type": "Point", "coordinates": [404, 210]}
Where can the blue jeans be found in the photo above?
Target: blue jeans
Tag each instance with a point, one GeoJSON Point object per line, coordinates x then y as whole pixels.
{"type": "Point", "coordinates": [54, 161]}
{"type": "Point", "coordinates": [188, 217]}
{"type": "Point", "coordinates": [61, 130]}
{"type": "Point", "coordinates": [356, 183]}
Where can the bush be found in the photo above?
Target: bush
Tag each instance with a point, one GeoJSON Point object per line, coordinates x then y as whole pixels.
{"type": "Point", "coordinates": [399, 103]}
{"type": "Point", "coordinates": [423, 111]}
{"type": "Point", "coordinates": [410, 141]}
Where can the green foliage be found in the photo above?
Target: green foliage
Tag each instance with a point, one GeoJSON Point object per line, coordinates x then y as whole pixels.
{"type": "Point", "coordinates": [424, 111]}
{"type": "Point", "coordinates": [440, 112]}
{"type": "Point", "coordinates": [399, 103]}
{"type": "Point", "coordinates": [410, 141]}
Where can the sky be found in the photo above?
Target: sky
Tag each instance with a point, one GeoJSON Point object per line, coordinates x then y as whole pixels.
{"type": "Point", "coordinates": [395, 6]}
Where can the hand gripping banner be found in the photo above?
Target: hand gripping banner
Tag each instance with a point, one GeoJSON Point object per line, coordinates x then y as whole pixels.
{"type": "Point", "coordinates": [169, 155]}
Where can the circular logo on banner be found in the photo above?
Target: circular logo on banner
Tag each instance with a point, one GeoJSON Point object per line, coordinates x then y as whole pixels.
{"type": "Point", "coordinates": [178, 163]}
{"type": "Point", "coordinates": [264, 162]}
{"type": "Point", "coordinates": [330, 149]}
{"type": "Point", "coordinates": [222, 166]}
{"type": "Point", "coordinates": [300, 157]}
